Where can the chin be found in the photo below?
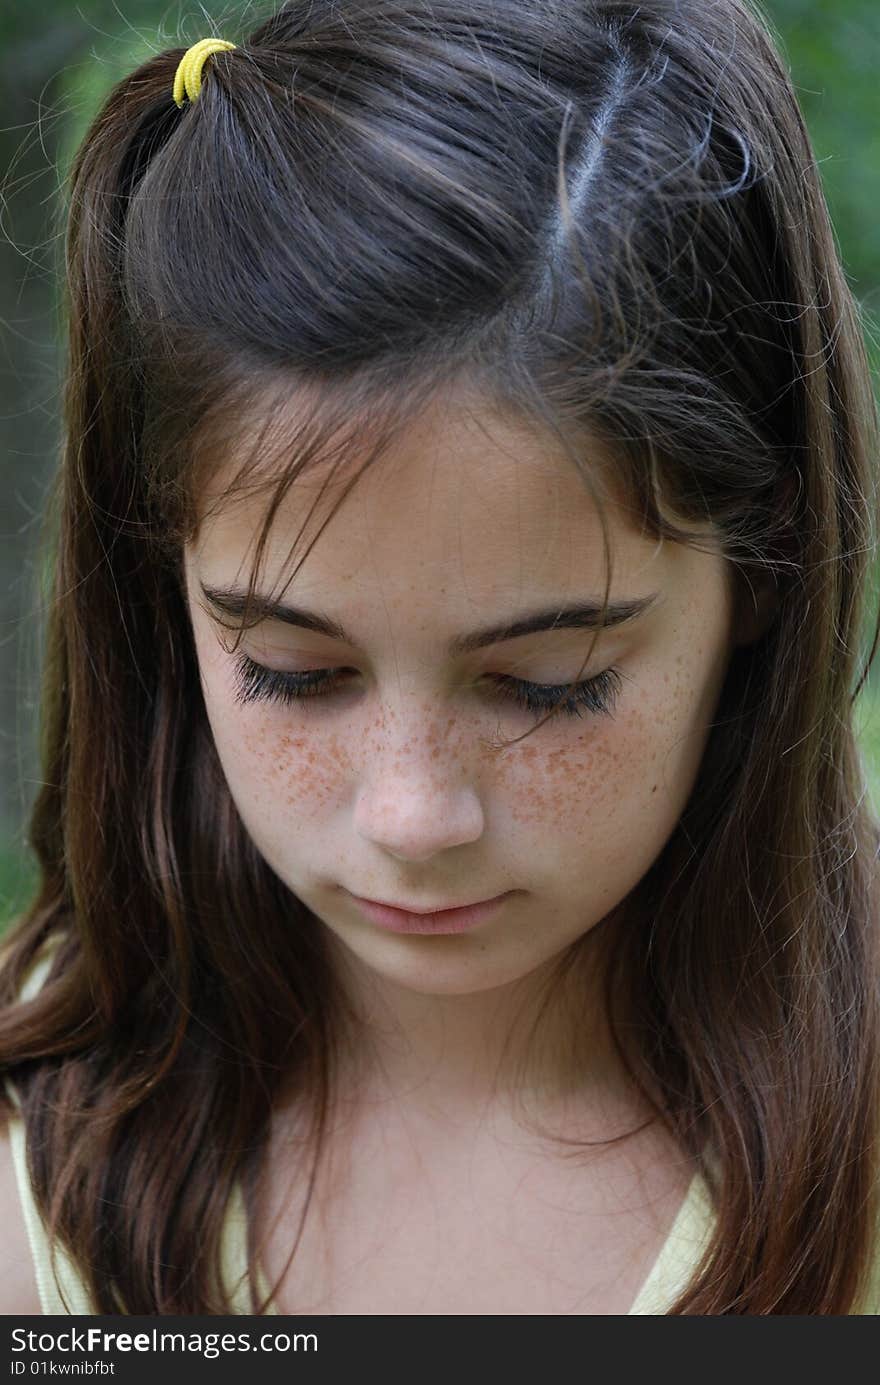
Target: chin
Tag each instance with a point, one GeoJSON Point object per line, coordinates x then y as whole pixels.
{"type": "Point", "coordinates": [445, 965]}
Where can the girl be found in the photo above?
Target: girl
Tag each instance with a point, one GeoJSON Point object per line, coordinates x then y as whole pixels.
{"type": "Point", "coordinates": [459, 887]}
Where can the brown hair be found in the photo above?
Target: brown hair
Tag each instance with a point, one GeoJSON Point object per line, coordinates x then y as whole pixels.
{"type": "Point", "coordinates": [596, 215]}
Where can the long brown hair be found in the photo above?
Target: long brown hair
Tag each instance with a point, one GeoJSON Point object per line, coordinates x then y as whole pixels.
{"type": "Point", "coordinates": [599, 216]}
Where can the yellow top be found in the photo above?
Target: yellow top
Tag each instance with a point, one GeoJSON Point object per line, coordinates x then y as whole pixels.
{"type": "Point", "coordinates": [668, 1276]}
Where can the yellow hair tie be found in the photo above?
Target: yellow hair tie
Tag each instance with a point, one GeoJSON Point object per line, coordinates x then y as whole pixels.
{"type": "Point", "coordinates": [188, 77]}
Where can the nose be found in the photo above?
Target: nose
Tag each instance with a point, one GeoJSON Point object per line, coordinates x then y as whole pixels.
{"type": "Point", "coordinates": [413, 808]}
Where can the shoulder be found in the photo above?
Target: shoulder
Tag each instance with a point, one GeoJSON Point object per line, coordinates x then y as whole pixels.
{"type": "Point", "coordinates": [869, 1300]}
{"type": "Point", "coordinates": [18, 1283]}
{"type": "Point", "coordinates": [19, 1294]}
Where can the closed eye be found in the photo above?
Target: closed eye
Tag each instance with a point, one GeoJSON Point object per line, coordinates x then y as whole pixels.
{"type": "Point", "coordinates": [598, 695]}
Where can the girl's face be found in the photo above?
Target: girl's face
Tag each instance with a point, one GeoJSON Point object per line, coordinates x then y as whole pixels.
{"type": "Point", "coordinates": [384, 783]}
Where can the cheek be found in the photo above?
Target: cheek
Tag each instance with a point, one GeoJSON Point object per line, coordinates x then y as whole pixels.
{"type": "Point", "coordinates": [605, 796]}
{"type": "Point", "coordinates": [274, 773]}
{"type": "Point", "coordinates": [294, 775]}
{"type": "Point", "coordinates": [281, 782]}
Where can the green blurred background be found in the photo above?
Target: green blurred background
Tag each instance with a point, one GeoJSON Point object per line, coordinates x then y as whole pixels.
{"type": "Point", "coordinates": [58, 60]}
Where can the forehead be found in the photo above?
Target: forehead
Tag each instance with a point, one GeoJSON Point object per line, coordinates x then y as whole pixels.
{"type": "Point", "coordinates": [461, 491]}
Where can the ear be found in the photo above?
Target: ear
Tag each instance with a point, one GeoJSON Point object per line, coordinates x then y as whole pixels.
{"type": "Point", "coordinates": [757, 590]}
{"type": "Point", "coordinates": [756, 606]}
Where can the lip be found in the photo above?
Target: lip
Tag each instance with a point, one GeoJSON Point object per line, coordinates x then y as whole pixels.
{"type": "Point", "coordinates": [457, 920]}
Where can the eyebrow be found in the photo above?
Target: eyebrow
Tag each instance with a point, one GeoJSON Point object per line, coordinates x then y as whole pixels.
{"type": "Point", "coordinates": [581, 615]}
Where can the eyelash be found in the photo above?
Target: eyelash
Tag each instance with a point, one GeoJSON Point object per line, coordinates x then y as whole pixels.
{"type": "Point", "coordinates": [598, 695]}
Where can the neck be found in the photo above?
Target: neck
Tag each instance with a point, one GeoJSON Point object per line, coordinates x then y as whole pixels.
{"type": "Point", "coordinates": [537, 1048]}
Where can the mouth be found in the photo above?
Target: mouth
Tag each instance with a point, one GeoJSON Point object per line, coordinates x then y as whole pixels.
{"type": "Point", "coordinates": [457, 919]}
